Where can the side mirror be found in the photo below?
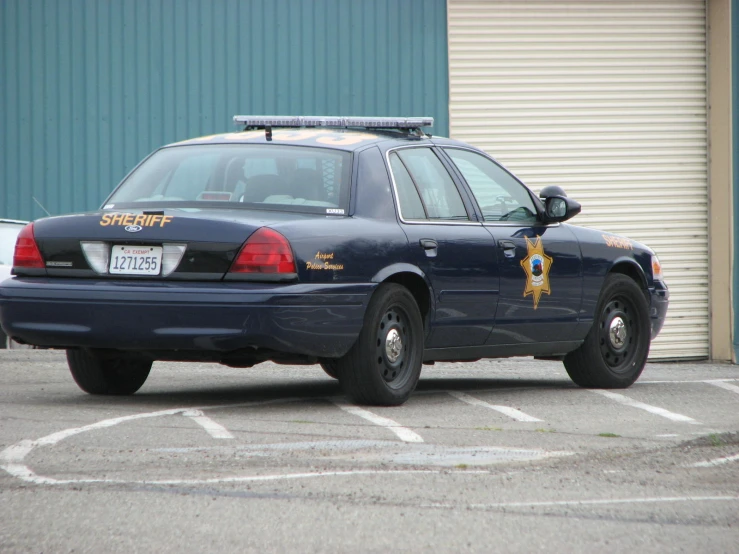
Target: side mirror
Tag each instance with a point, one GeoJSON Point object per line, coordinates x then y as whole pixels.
{"type": "Point", "coordinates": [560, 208]}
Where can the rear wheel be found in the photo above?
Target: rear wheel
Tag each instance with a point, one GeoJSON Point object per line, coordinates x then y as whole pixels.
{"type": "Point", "coordinates": [108, 376]}
{"type": "Point", "coordinates": [615, 350]}
{"type": "Point", "coordinates": [383, 366]}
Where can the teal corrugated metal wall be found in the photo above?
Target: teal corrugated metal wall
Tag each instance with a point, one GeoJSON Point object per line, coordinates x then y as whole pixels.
{"type": "Point", "coordinates": [88, 87]}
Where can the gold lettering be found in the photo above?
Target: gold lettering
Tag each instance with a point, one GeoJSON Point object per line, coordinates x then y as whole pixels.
{"type": "Point", "coordinates": [117, 219]}
{"type": "Point", "coordinates": [166, 219]}
{"type": "Point", "coordinates": [139, 220]}
{"type": "Point", "coordinates": [618, 242]}
{"type": "Point", "coordinates": [128, 220]}
{"type": "Point", "coordinates": [324, 266]}
{"type": "Point", "coordinates": [105, 221]}
{"type": "Point", "coordinates": [345, 140]}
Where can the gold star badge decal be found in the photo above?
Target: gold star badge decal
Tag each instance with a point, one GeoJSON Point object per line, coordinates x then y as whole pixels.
{"type": "Point", "coordinates": [536, 265]}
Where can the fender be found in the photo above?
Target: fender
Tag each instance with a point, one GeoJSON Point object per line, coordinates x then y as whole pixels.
{"type": "Point", "coordinates": [396, 269]}
{"type": "Point", "coordinates": [391, 270]}
{"type": "Point", "coordinates": [634, 266]}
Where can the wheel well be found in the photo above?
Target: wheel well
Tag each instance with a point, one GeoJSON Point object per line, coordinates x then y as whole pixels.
{"type": "Point", "coordinates": [418, 288]}
{"type": "Point", "coordinates": [629, 270]}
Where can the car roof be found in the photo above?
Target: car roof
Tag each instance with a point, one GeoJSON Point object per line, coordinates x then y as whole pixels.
{"type": "Point", "coordinates": [325, 137]}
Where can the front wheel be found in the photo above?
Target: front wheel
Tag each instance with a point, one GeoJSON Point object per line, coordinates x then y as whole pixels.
{"type": "Point", "coordinates": [383, 366]}
{"type": "Point", "coordinates": [615, 350]}
{"type": "Point", "coordinates": [329, 366]}
{"type": "Point", "coordinates": [107, 376]}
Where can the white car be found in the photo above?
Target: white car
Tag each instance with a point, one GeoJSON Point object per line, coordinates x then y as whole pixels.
{"type": "Point", "coordinates": [9, 229]}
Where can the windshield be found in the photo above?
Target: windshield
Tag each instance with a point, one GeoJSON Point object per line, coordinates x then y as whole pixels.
{"type": "Point", "coordinates": [268, 176]}
{"type": "Point", "coordinates": [8, 234]}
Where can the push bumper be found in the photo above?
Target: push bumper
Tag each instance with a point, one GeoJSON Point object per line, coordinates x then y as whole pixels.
{"type": "Point", "coordinates": [313, 320]}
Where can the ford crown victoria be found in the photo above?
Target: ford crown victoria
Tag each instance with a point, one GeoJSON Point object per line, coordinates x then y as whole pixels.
{"type": "Point", "coordinates": [361, 244]}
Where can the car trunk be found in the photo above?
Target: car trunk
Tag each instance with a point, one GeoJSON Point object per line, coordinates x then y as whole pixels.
{"type": "Point", "coordinates": [159, 244]}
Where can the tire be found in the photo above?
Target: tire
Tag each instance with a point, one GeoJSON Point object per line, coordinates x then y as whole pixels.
{"type": "Point", "coordinates": [383, 366]}
{"type": "Point", "coordinates": [330, 367]}
{"type": "Point", "coordinates": [107, 376]}
{"type": "Point", "coordinates": [615, 350]}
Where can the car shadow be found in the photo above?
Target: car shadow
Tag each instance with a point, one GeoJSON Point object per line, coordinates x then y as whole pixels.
{"type": "Point", "coordinates": [299, 390]}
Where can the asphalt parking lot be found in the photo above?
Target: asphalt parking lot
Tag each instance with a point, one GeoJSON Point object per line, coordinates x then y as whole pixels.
{"type": "Point", "coordinates": [490, 456]}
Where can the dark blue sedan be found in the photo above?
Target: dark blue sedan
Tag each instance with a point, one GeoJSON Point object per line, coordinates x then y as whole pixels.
{"type": "Point", "coordinates": [361, 244]}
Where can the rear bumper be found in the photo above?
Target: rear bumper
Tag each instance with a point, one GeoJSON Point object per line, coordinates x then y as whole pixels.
{"type": "Point", "coordinates": [312, 320]}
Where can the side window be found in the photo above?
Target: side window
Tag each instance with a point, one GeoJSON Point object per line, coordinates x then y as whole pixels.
{"type": "Point", "coordinates": [437, 193]}
{"type": "Point", "coordinates": [500, 196]}
{"type": "Point", "coordinates": [411, 206]}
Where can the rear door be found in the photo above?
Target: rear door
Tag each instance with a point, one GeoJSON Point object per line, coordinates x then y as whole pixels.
{"type": "Point", "coordinates": [449, 245]}
{"type": "Point", "coordinates": [540, 265]}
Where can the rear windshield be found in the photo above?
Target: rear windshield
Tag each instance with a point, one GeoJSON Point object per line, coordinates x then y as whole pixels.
{"type": "Point", "coordinates": [267, 176]}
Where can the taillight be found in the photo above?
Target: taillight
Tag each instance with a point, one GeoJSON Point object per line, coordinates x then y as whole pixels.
{"type": "Point", "coordinates": [265, 251]}
{"type": "Point", "coordinates": [27, 253]}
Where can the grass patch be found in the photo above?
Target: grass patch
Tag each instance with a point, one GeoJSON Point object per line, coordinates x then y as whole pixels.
{"type": "Point", "coordinates": [488, 428]}
{"type": "Point", "coordinates": [715, 440]}
{"type": "Point", "coordinates": [461, 466]}
{"type": "Point", "coordinates": [545, 430]}
{"type": "Point", "coordinates": [303, 421]}
{"type": "Point", "coordinates": [609, 435]}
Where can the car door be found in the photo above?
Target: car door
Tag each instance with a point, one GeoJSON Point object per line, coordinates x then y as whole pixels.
{"type": "Point", "coordinates": [540, 265]}
{"type": "Point", "coordinates": [449, 245]}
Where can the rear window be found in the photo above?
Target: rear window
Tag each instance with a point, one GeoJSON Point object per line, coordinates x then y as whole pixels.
{"type": "Point", "coordinates": [275, 177]}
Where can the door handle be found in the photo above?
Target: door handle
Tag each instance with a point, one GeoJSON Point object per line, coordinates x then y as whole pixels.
{"type": "Point", "coordinates": [508, 247]}
{"type": "Point", "coordinates": [430, 246]}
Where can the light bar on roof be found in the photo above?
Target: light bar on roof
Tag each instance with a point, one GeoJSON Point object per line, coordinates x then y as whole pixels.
{"type": "Point", "coordinates": [318, 121]}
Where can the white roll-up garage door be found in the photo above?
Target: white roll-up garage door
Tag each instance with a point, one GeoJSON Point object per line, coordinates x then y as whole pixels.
{"type": "Point", "coordinates": [608, 100]}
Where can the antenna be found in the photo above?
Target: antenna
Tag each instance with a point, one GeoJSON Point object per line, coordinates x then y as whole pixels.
{"type": "Point", "coordinates": [40, 205]}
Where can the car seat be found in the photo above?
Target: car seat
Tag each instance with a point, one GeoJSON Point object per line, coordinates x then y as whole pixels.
{"type": "Point", "coordinates": [260, 187]}
{"type": "Point", "coordinates": [308, 183]}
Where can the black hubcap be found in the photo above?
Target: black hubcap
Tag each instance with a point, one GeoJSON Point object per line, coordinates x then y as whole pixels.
{"type": "Point", "coordinates": [393, 341]}
{"type": "Point", "coordinates": [618, 334]}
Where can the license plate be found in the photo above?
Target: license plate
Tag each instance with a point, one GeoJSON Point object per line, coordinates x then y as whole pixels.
{"type": "Point", "coordinates": [135, 260]}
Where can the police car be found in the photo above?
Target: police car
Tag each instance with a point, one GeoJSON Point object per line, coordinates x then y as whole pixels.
{"type": "Point", "coordinates": [361, 244]}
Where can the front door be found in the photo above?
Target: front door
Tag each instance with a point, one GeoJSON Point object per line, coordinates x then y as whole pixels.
{"type": "Point", "coordinates": [540, 265]}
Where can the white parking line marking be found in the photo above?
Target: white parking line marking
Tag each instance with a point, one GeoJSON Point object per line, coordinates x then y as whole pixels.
{"type": "Point", "coordinates": [215, 430]}
{"type": "Point", "coordinates": [287, 476]}
{"type": "Point", "coordinates": [621, 399]}
{"type": "Point", "coordinates": [718, 461]}
{"type": "Point", "coordinates": [405, 434]}
{"type": "Point", "coordinates": [605, 501]}
{"type": "Point", "coordinates": [680, 382]}
{"type": "Point", "coordinates": [513, 413]}
{"type": "Point", "coordinates": [723, 385]}
{"type": "Point", "coordinates": [12, 456]}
